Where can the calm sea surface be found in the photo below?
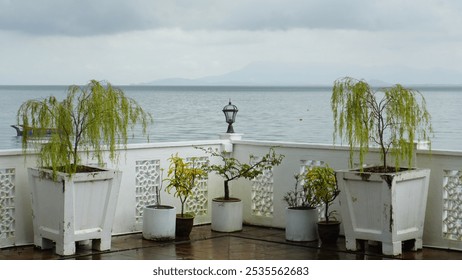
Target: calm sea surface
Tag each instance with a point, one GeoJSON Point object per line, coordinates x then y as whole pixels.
{"type": "Point", "coordinates": [293, 114]}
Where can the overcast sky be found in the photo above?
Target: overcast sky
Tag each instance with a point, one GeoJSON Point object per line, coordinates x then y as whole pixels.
{"type": "Point", "coordinates": [134, 41]}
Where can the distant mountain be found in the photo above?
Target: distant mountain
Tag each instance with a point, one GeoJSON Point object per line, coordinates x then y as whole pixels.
{"type": "Point", "coordinates": [173, 81]}
{"type": "Point", "coordinates": [260, 73]}
{"type": "Point", "coordinates": [302, 74]}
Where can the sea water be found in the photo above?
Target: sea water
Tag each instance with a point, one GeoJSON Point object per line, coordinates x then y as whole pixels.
{"type": "Point", "coordinates": [289, 114]}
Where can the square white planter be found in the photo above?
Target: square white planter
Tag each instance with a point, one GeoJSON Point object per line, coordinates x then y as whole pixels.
{"type": "Point", "coordinates": [389, 208]}
{"type": "Point", "coordinates": [71, 209]}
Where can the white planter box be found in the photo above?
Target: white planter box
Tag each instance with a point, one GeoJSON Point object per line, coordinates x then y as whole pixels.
{"type": "Point", "coordinates": [389, 208]}
{"type": "Point", "coordinates": [227, 215]}
{"type": "Point", "coordinates": [159, 222]}
{"type": "Point", "coordinates": [301, 224]}
{"type": "Point", "coordinates": [72, 209]}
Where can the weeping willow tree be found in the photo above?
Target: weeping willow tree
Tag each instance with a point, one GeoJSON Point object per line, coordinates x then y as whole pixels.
{"type": "Point", "coordinates": [393, 118]}
{"type": "Point", "coordinates": [91, 118]}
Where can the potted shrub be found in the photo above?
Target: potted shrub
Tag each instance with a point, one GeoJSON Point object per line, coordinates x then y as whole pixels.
{"type": "Point", "coordinates": [227, 210]}
{"type": "Point", "coordinates": [322, 181]}
{"type": "Point", "coordinates": [183, 177]}
{"type": "Point", "coordinates": [68, 202]}
{"type": "Point", "coordinates": [301, 213]}
{"type": "Point", "coordinates": [159, 219]}
{"type": "Point", "coordinates": [382, 203]}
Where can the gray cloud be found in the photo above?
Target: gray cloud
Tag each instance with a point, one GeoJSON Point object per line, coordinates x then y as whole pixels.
{"type": "Point", "coordinates": [129, 41]}
{"type": "Point", "coordinates": [73, 17]}
{"type": "Point", "coordinates": [90, 17]}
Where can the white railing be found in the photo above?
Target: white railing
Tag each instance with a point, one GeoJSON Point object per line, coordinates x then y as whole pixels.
{"type": "Point", "coordinates": [263, 205]}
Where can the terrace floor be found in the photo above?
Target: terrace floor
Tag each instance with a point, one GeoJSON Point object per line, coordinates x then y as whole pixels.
{"type": "Point", "coordinates": [252, 243]}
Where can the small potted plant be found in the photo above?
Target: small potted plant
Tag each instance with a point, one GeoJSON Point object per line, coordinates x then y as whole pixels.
{"type": "Point", "coordinates": [384, 202]}
{"type": "Point", "coordinates": [301, 213]}
{"type": "Point", "coordinates": [66, 195]}
{"type": "Point", "coordinates": [159, 219]}
{"type": "Point", "coordinates": [321, 180]}
{"type": "Point", "coordinates": [183, 177]}
{"type": "Point", "coordinates": [226, 210]}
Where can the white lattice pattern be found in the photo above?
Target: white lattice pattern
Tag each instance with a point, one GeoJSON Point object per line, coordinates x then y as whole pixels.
{"type": "Point", "coordinates": [305, 165]}
{"type": "Point", "coordinates": [198, 202]}
{"type": "Point", "coordinates": [262, 194]}
{"type": "Point", "coordinates": [148, 177]}
{"type": "Point", "coordinates": [452, 205]}
{"type": "Point", "coordinates": [7, 206]}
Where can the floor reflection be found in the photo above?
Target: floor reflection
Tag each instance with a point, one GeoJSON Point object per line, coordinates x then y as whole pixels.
{"type": "Point", "coordinates": [252, 243]}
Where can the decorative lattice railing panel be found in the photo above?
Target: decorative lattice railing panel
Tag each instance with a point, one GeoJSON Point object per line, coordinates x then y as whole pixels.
{"type": "Point", "coordinates": [198, 202]}
{"type": "Point", "coordinates": [263, 194]}
{"type": "Point", "coordinates": [7, 206]}
{"type": "Point", "coordinates": [148, 177]}
{"type": "Point", "coordinates": [452, 205]}
{"type": "Point", "coordinates": [305, 165]}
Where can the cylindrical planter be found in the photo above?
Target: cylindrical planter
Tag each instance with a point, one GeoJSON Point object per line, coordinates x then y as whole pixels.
{"type": "Point", "coordinates": [301, 224]}
{"type": "Point", "coordinates": [227, 215]}
{"type": "Point", "coordinates": [159, 222]}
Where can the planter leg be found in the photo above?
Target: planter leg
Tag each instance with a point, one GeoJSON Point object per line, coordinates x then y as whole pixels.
{"type": "Point", "coordinates": [65, 248]}
{"type": "Point", "coordinates": [352, 244]}
{"type": "Point", "coordinates": [418, 244]}
{"type": "Point", "coordinates": [102, 244]}
{"type": "Point", "coordinates": [391, 248]}
{"type": "Point", "coordinates": [43, 243]}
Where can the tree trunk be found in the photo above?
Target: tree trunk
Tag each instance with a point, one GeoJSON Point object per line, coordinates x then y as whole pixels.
{"type": "Point", "coordinates": [226, 190]}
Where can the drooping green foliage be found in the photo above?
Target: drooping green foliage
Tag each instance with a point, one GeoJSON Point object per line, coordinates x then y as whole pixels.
{"type": "Point", "coordinates": [183, 176]}
{"type": "Point", "coordinates": [91, 118]}
{"type": "Point", "coordinates": [323, 184]}
{"type": "Point", "coordinates": [231, 168]}
{"type": "Point", "coordinates": [394, 118]}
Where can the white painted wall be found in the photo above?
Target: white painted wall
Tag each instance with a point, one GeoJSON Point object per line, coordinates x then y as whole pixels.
{"type": "Point", "coordinates": [335, 156]}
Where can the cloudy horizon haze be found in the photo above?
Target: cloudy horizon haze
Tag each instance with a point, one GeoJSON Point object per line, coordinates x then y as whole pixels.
{"type": "Point", "coordinates": [139, 41]}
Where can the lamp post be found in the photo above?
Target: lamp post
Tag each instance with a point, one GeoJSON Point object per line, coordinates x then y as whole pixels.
{"type": "Point", "coordinates": [230, 112]}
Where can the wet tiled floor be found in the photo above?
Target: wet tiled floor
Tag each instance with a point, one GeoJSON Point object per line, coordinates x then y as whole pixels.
{"type": "Point", "coordinates": [253, 243]}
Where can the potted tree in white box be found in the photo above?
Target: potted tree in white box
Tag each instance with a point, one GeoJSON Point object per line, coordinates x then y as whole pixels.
{"type": "Point", "coordinates": [72, 202]}
{"type": "Point", "coordinates": [382, 203]}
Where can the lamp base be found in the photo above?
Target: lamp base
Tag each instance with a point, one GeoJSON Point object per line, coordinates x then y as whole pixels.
{"type": "Point", "coordinates": [231, 136]}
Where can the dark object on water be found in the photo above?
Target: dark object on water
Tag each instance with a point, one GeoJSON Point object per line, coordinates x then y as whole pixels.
{"type": "Point", "coordinates": [18, 130]}
{"type": "Point", "coordinates": [40, 132]}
